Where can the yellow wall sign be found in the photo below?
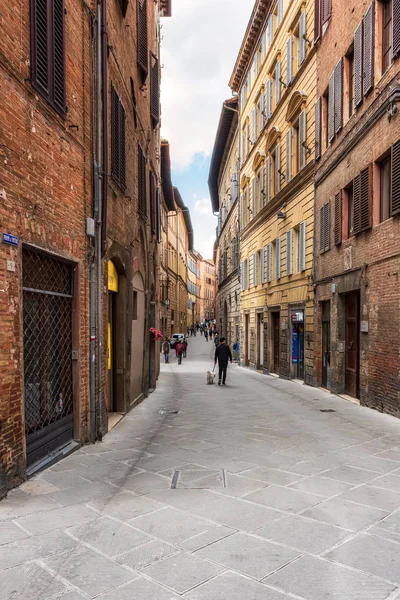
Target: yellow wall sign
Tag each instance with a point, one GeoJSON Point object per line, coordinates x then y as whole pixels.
{"type": "Point", "coordinates": [112, 277]}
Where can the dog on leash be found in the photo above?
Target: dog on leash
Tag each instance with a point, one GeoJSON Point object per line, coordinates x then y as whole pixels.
{"type": "Point", "coordinates": [210, 377]}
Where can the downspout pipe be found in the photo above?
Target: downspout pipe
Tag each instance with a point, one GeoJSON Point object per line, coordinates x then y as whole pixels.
{"type": "Point", "coordinates": [92, 283]}
{"type": "Point", "coordinates": [99, 212]}
{"type": "Point", "coordinates": [104, 60]}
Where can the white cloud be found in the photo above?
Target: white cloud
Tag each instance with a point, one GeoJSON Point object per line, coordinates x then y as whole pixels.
{"type": "Point", "coordinates": [203, 207]}
{"type": "Point", "coordinates": [200, 45]}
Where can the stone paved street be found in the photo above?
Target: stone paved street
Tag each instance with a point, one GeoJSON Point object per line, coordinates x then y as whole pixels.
{"type": "Point", "coordinates": [274, 499]}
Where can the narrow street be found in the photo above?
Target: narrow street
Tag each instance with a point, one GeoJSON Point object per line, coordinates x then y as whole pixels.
{"type": "Point", "coordinates": [281, 491]}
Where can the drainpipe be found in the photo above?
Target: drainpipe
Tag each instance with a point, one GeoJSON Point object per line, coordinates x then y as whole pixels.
{"type": "Point", "coordinates": [100, 86]}
{"type": "Point", "coordinates": [104, 59]}
{"type": "Point", "coordinates": [92, 285]}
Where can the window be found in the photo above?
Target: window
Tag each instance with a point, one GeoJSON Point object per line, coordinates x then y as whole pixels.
{"type": "Point", "coordinates": [385, 175]}
{"type": "Point", "coordinates": [318, 129]}
{"type": "Point", "coordinates": [386, 34]}
{"type": "Point", "coordinates": [124, 6]}
{"type": "Point", "coordinates": [135, 306]}
{"type": "Point", "coordinates": [349, 68]}
{"type": "Point", "coordinates": [260, 189]}
{"type": "Point", "coordinates": [302, 45]}
{"type": "Point", "coordinates": [276, 169]}
{"type": "Point", "coordinates": [142, 42]}
{"type": "Point", "coordinates": [278, 258]}
{"type": "Point", "coordinates": [338, 218]}
{"type": "Point", "coordinates": [142, 188]}
{"type": "Point", "coordinates": [289, 61]}
{"type": "Point", "coordinates": [154, 90]}
{"type": "Point", "coordinates": [350, 209]}
{"type": "Point", "coordinates": [364, 56]}
{"type": "Point", "coordinates": [299, 142]}
{"type": "Point", "coordinates": [48, 52]}
{"type": "Point", "coordinates": [269, 262]}
{"type": "Point", "coordinates": [261, 266]}
{"type": "Point", "coordinates": [323, 12]}
{"type": "Point", "coordinates": [118, 168]}
{"type": "Point", "coordinates": [289, 252]}
{"type": "Point", "coordinates": [289, 157]}
{"type": "Point", "coordinates": [325, 225]}
{"type": "Point", "coordinates": [301, 246]}
{"type": "Point", "coordinates": [362, 201]}
{"type": "Point", "coordinates": [325, 120]}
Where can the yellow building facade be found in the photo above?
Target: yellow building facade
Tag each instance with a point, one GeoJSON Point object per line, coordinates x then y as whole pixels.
{"type": "Point", "coordinates": [275, 78]}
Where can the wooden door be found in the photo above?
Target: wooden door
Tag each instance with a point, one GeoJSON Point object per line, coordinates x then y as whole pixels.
{"type": "Point", "coordinates": [326, 344]}
{"type": "Point", "coordinates": [352, 344]}
{"type": "Point", "coordinates": [260, 334]}
{"type": "Point", "coordinates": [276, 341]}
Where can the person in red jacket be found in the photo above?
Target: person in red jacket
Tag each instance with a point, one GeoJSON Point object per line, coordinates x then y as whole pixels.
{"type": "Point", "coordinates": [180, 348]}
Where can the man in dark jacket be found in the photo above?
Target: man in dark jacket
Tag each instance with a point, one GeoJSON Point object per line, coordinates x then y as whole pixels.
{"type": "Point", "coordinates": [222, 355]}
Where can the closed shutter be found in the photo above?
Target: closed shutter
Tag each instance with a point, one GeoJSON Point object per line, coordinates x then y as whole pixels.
{"type": "Point", "coordinates": [154, 90]}
{"type": "Point", "coordinates": [277, 168]}
{"type": "Point", "coordinates": [158, 210]}
{"type": "Point", "coordinates": [395, 207]}
{"type": "Point", "coordinates": [338, 218]}
{"type": "Point", "coordinates": [358, 65]}
{"type": "Point", "coordinates": [261, 188]}
{"type": "Point", "coordinates": [268, 98]}
{"type": "Point", "coordinates": [318, 128]}
{"type": "Point", "coordinates": [254, 126]}
{"type": "Point", "coordinates": [357, 205]}
{"type": "Point", "coordinates": [241, 220]}
{"type": "Point", "coordinates": [280, 12]}
{"type": "Point", "coordinates": [395, 27]}
{"type": "Point", "coordinates": [289, 61]}
{"type": "Point", "coordinates": [142, 188]}
{"type": "Point", "coordinates": [268, 179]}
{"type": "Point", "coordinates": [261, 112]}
{"type": "Point", "coordinates": [322, 228]}
{"type": "Point", "coordinates": [269, 30]}
{"type": "Point", "coordinates": [241, 148]}
{"type": "Point", "coordinates": [247, 200]}
{"type": "Point", "coordinates": [153, 205]}
{"type": "Point", "coordinates": [48, 50]}
{"type": "Point", "coordinates": [289, 155]}
{"type": "Point", "coordinates": [302, 139]}
{"type": "Point", "coordinates": [338, 94]}
{"type": "Point", "coordinates": [289, 252]}
{"type": "Point", "coordinates": [331, 108]}
{"type": "Point", "coordinates": [278, 81]}
{"type": "Point", "coordinates": [246, 140]}
{"type": "Point", "coordinates": [248, 274]}
{"type": "Point", "coordinates": [142, 42]}
{"type": "Point", "coordinates": [248, 82]}
{"type": "Point", "coordinates": [366, 198]}
{"type": "Point", "coordinates": [278, 258]}
{"type": "Point", "coordinates": [269, 262]}
{"type": "Point", "coordinates": [325, 225]}
{"type": "Point", "coordinates": [317, 20]}
{"type": "Point", "coordinates": [302, 36]}
{"type": "Point", "coordinates": [255, 269]}
{"type": "Point", "coordinates": [326, 10]}
{"type": "Point", "coordinates": [263, 46]}
{"type": "Point", "coordinates": [368, 54]}
{"type": "Point", "coordinates": [255, 66]}
{"type": "Point", "coordinates": [118, 158]}
{"type": "Point", "coordinates": [301, 252]}
{"type": "Point", "coordinates": [262, 266]}
{"type": "Point", "coordinates": [242, 97]}
{"type": "Point", "coordinates": [242, 274]}
{"type": "Point", "coordinates": [253, 194]}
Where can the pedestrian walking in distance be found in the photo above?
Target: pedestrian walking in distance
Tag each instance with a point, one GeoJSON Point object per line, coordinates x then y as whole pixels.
{"type": "Point", "coordinates": [180, 348]}
{"type": "Point", "coordinates": [165, 349]}
{"type": "Point", "coordinates": [206, 334]}
{"type": "Point", "coordinates": [223, 354]}
{"type": "Point", "coordinates": [185, 345]}
{"type": "Point", "coordinates": [216, 338]}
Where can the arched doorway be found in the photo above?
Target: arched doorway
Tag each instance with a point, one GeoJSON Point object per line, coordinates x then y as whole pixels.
{"type": "Point", "coordinates": [138, 345]}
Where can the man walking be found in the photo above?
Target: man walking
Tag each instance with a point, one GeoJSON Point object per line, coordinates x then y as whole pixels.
{"type": "Point", "coordinates": [179, 351]}
{"type": "Point", "coordinates": [222, 355]}
{"type": "Point", "coordinates": [165, 349]}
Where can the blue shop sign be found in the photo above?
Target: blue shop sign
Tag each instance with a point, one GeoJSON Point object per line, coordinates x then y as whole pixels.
{"type": "Point", "coordinates": [10, 239]}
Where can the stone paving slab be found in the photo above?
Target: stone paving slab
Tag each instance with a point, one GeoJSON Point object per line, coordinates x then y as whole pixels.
{"type": "Point", "coordinates": [235, 587]}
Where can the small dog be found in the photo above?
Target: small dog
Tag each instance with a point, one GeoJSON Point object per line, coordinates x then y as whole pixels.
{"type": "Point", "coordinates": [210, 377]}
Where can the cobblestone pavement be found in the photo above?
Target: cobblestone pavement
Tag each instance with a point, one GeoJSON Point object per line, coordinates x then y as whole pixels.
{"type": "Point", "coordinates": [274, 499]}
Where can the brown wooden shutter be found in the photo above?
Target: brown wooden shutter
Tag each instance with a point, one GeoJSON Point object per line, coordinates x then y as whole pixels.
{"type": "Point", "coordinates": [142, 42]}
{"type": "Point", "coordinates": [318, 128]}
{"type": "Point", "coordinates": [395, 206]}
{"type": "Point", "coordinates": [58, 55]}
{"type": "Point", "coordinates": [358, 65]}
{"type": "Point", "coordinates": [357, 205]}
{"type": "Point", "coordinates": [396, 27]}
{"type": "Point", "coordinates": [142, 188]}
{"type": "Point", "coordinates": [338, 94]}
{"type": "Point", "coordinates": [326, 10]}
{"type": "Point", "coordinates": [322, 228]}
{"type": "Point", "coordinates": [317, 20]}
{"type": "Point", "coordinates": [115, 129]}
{"type": "Point", "coordinates": [368, 52]}
{"type": "Point", "coordinates": [153, 205]}
{"type": "Point", "coordinates": [366, 198]}
{"type": "Point", "coordinates": [122, 155]}
{"type": "Point", "coordinates": [331, 108]}
{"type": "Point", "coordinates": [338, 218]}
{"type": "Point", "coordinates": [154, 90]}
{"type": "Point", "coordinates": [325, 226]}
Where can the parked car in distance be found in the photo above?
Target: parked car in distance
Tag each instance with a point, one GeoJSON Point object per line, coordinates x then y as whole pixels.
{"type": "Point", "coordinates": [176, 337]}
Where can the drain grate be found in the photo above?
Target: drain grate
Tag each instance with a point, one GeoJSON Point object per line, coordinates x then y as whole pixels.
{"type": "Point", "coordinates": [327, 410]}
{"type": "Point", "coordinates": [199, 479]}
{"type": "Point", "coordinates": [165, 411]}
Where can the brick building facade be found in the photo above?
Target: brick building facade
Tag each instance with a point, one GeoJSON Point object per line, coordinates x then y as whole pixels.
{"type": "Point", "coordinates": [357, 242]}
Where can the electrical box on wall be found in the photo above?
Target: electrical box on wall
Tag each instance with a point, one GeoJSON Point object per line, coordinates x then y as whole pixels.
{"type": "Point", "coordinates": [340, 346]}
{"type": "Point", "coordinates": [364, 327]}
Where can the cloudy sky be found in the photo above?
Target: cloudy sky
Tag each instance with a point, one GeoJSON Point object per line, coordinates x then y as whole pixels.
{"type": "Point", "coordinates": [199, 48]}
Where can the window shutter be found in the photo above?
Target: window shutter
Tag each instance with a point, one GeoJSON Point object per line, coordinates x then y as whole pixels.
{"type": "Point", "coordinates": [280, 11]}
{"type": "Point", "coordinates": [366, 198]}
{"type": "Point", "coordinates": [154, 90]}
{"type": "Point", "coordinates": [322, 228]}
{"type": "Point", "coordinates": [269, 30]}
{"type": "Point", "coordinates": [268, 98]}
{"type": "Point", "coordinates": [153, 205]}
{"type": "Point", "coordinates": [277, 168]}
{"type": "Point", "coordinates": [254, 126]}
{"type": "Point", "coordinates": [246, 139]}
{"type": "Point", "coordinates": [247, 206]}
{"type": "Point", "coordinates": [302, 247]}
{"type": "Point", "coordinates": [318, 128]}
{"type": "Point", "coordinates": [302, 139]}
{"type": "Point", "coordinates": [268, 179]}
{"type": "Point", "coordinates": [142, 42]}
{"type": "Point", "coordinates": [255, 269]}
{"type": "Point", "coordinates": [59, 56]}
{"type": "Point", "coordinates": [242, 97]}
{"type": "Point", "coordinates": [248, 82]}
{"type": "Point", "coordinates": [241, 148]}
{"type": "Point", "coordinates": [262, 266]}
{"type": "Point", "coordinates": [255, 65]}
{"type": "Point", "coordinates": [289, 60]}
{"type": "Point", "coordinates": [331, 108]}
{"type": "Point", "coordinates": [122, 158]}
{"type": "Point", "coordinates": [278, 81]}
{"type": "Point", "coordinates": [395, 207]}
{"type": "Point", "coordinates": [263, 46]}
{"type": "Point", "coordinates": [395, 28]}
{"type": "Point", "coordinates": [317, 20]}
{"type": "Point", "coordinates": [325, 226]}
{"type": "Point", "coordinates": [368, 54]}
{"type": "Point", "coordinates": [269, 262]}
{"type": "Point", "coordinates": [358, 65]}
{"type": "Point", "coordinates": [338, 218]}
{"type": "Point", "coordinates": [242, 274]}
{"type": "Point", "coordinates": [241, 220]}
{"type": "Point", "coordinates": [253, 194]}
{"type": "Point", "coordinates": [117, 140]}
{"type": "Point", "coordinates": [261, 112]}
{"type": "Point", "coordinates": [302, 36]}
{"type": "Point", "coordinates": [289, 154]}
{"type": "Point", "coordinates": [158, 210]}
{"type": "Point", "coordinates": [142, 190]}
{"type": "Point", "coordinates": [326, 10]}
{"type": "Point", "coordinates": [289, 252]}
{"type": "Point", "coordinates": [357, 204]}
{"type": "Point", "coordinates": [248, 273]}
{"type": "Point", "coordinates": [261, 191]}
{"type": "Point", "coordinates": [278, 258]}
{"type": "Point", "coordinates": [338, 94]}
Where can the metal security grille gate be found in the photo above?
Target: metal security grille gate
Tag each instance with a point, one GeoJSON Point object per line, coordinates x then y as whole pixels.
{"type": "Point", "coordinates": [47, 326]}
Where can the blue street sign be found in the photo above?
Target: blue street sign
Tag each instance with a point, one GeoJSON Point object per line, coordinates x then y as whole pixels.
{"type": "Point", "coordinates": [10, 239]}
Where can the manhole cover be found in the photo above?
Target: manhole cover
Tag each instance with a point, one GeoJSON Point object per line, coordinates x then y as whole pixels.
{"type": "Point", "coordinates": [164, 411]}
{"type": "Point", "coordinates": [328, 410]}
